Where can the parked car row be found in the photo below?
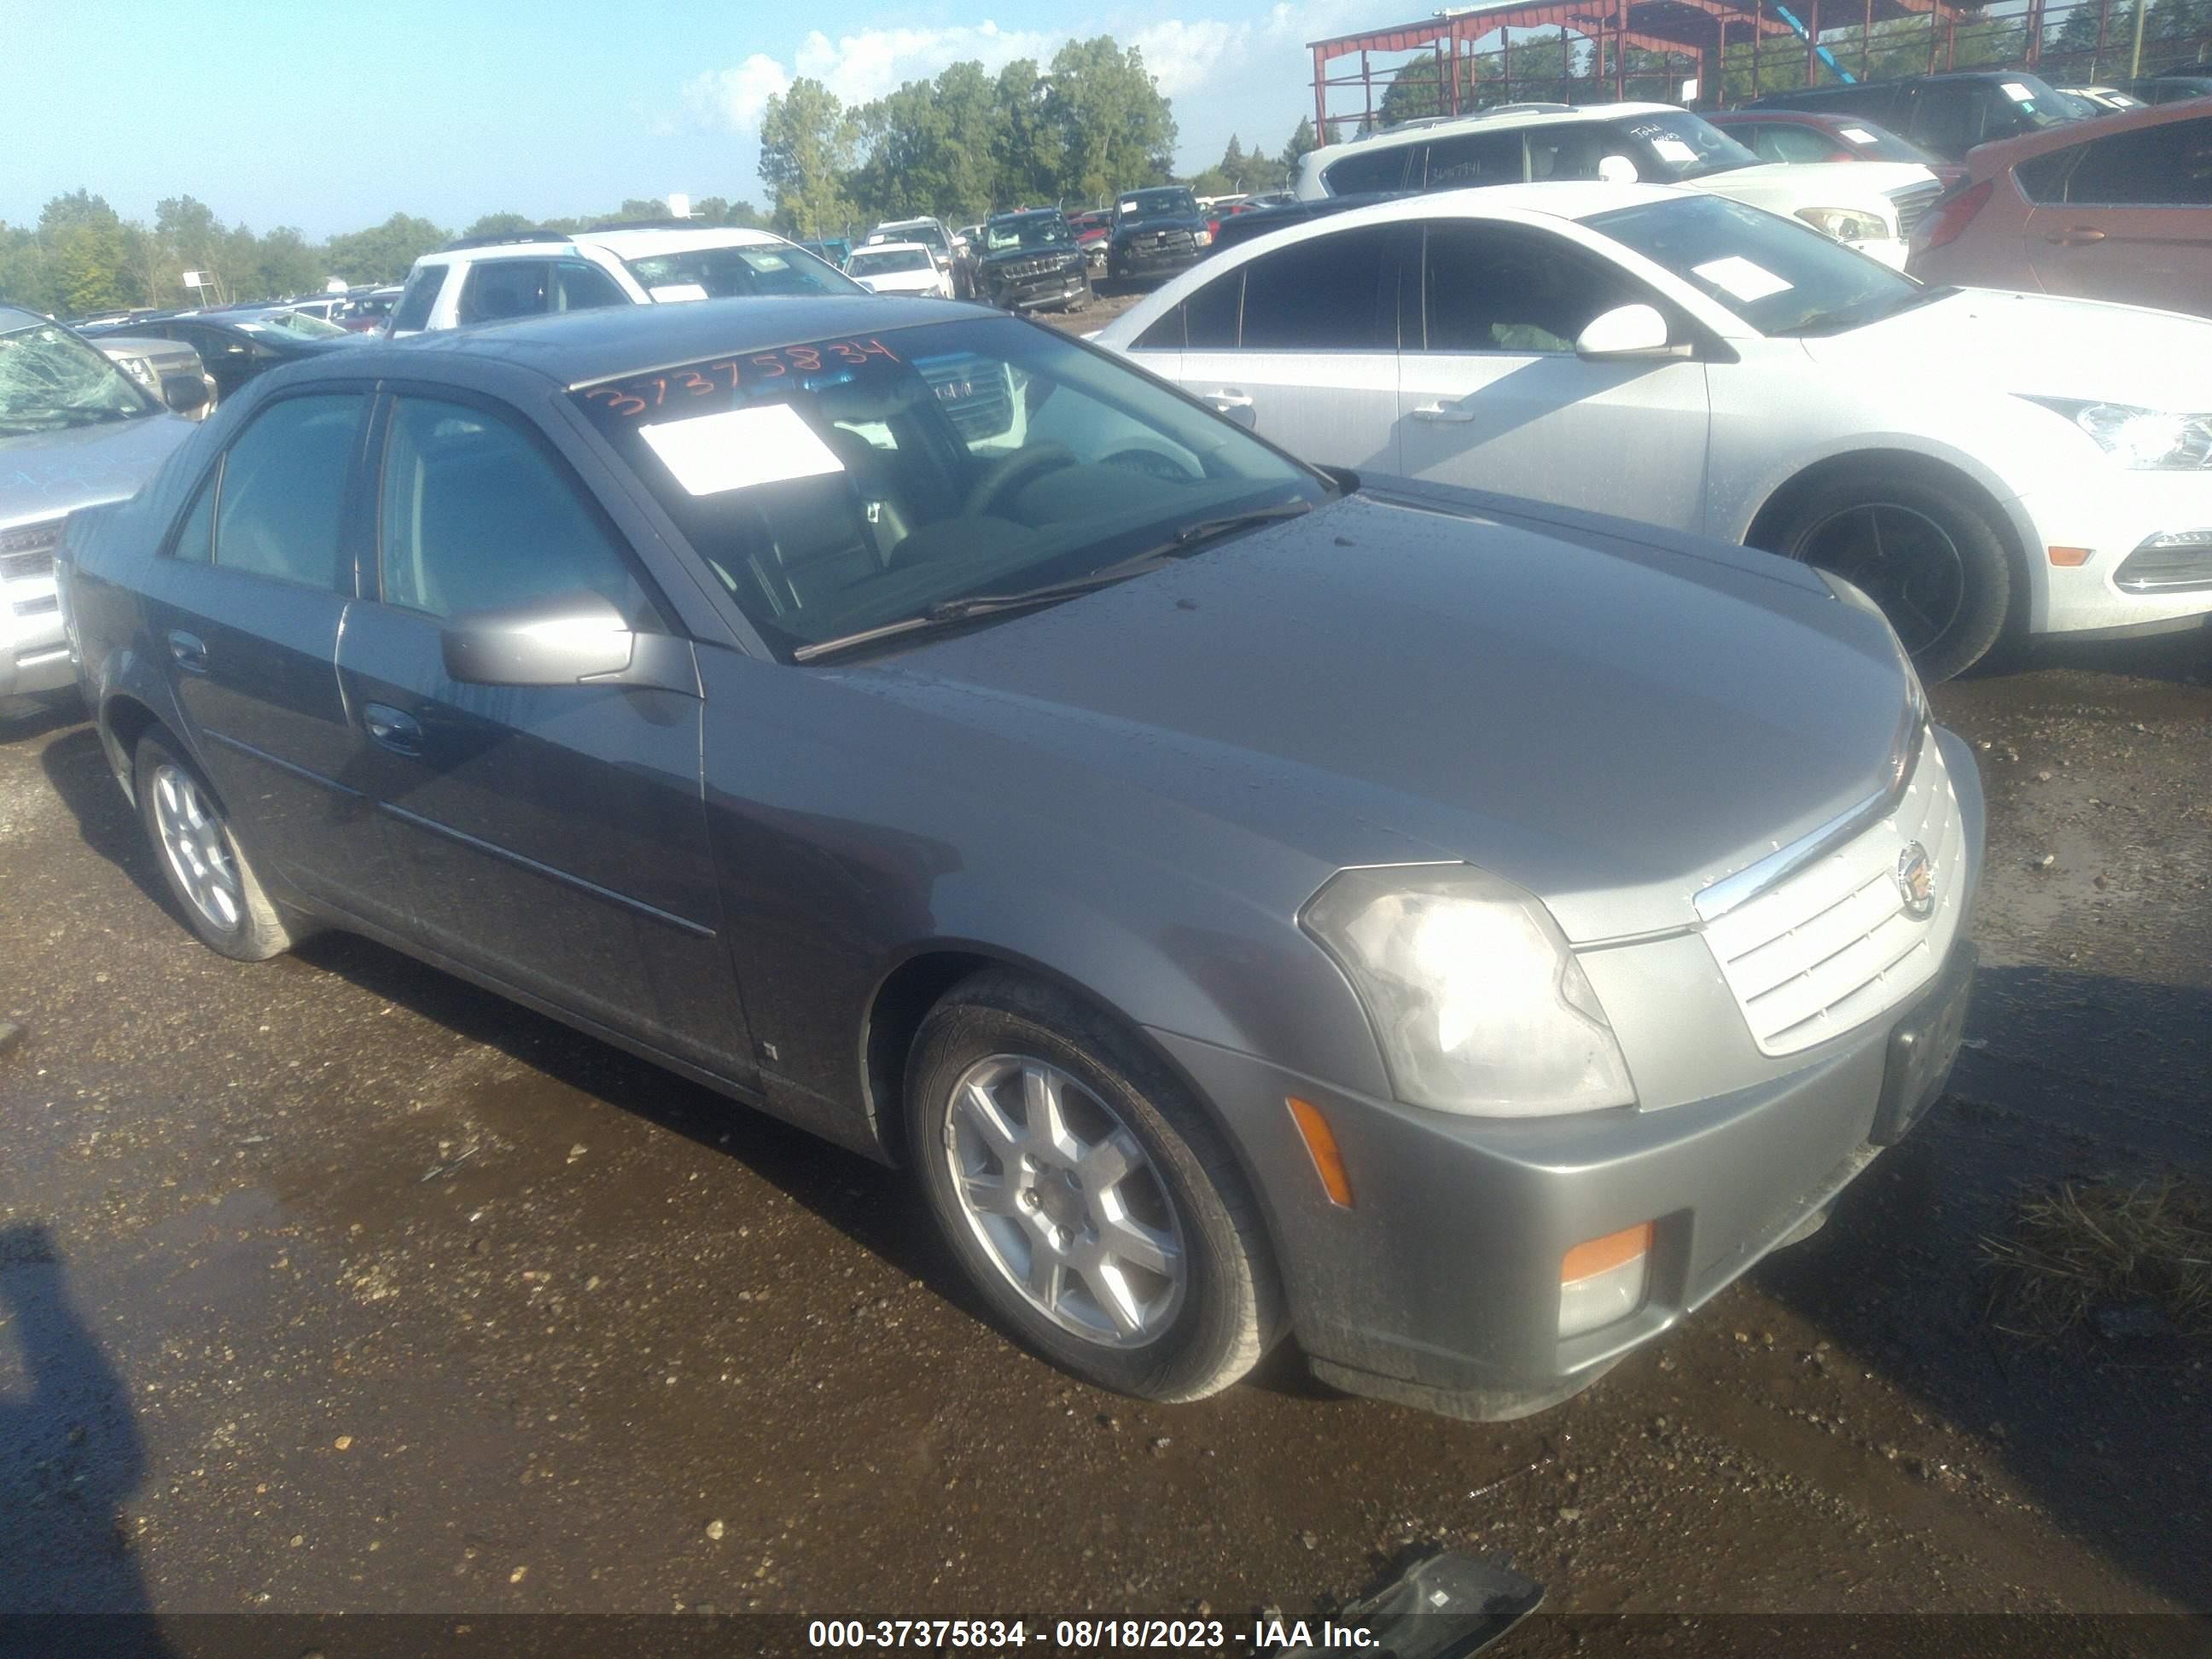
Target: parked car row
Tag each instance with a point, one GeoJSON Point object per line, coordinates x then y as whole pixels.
{"type": "Point", "coordinates": [1232, 887]}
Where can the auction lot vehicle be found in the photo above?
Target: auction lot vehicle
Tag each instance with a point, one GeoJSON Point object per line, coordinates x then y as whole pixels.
{"type": "Point", "coordinates": [483, 279]}
{"type": "Point", "coordinates": [899, 268]}
{"type": "Point", "coordinates": [1157, 233]}
{"type": "Point", "coordinates": [365, 312]}
{"type": "Point", "coordinates": [168, 368]}
{"type": "Point", "coordinates": [2105, 100]}
{"type": "Point", "coordinates": [1459, 882]}
{"type": "Point", "coordinates": [937, 238]}
{"type": "Point", "coordinates": [1872, 207]}
{"type": "Point", "coordinates": [74, 431]}
{"type": "Point", "coordinates": [1974, 460]}
{"type": "Point", "coordinates": [1948, 114]}
{"type": "Point", "coordinates": [1800, 136]}
{"type": "Point", "coordinates": [234, 346]}
{"type": "Point", "coordinates": [1031, 260]}
{"type": "Point", "coordinates": [2172, 86]}
{"type": "Point", "coordinates": [2120, 209]}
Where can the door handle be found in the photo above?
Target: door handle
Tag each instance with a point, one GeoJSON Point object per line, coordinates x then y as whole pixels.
{"type": "Point", "coordinates": [390, 729]}
{"type": "Point", "coordinates": [1443, 414]}
{"type": "Point", "coordinates": [2075, 236]}
{"type": "Point", "coordinates": [1227, 399]}
{"type": "Point", "coordinates": [189, 650]}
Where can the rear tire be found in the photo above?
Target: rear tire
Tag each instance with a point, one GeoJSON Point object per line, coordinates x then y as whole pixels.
{"type": "Point", "coordinates": [1933, 562]}
{"type": "Point", "coordinates": [213, 885]}
{"type": "Point", "coordinates": [1110, 1228]}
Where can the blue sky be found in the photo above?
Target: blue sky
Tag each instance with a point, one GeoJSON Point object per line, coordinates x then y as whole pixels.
{"type": "Point", "coordinates": [330, 120]}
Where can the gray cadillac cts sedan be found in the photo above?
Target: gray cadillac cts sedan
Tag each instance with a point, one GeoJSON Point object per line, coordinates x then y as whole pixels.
{"type": "Point", "coordinates": [1465, 934]}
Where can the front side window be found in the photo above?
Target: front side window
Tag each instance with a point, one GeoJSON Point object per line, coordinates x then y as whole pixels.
{"type": "Point", "coordinates": [51, 381]}
{"type": "Point", "coordinates": [578, 286]}
{"type": "Point", "coordinates": [500, 289]}
{"type": "Point", "coordinates": [419, 296]}
{"type": "Point", "coordinates": [1334, 292]}
{"type": "Point", "coordinates": [2169, 164]}
{"type": "Point", "coordinates": [1780, 276]}
{"type": "Point", "coordinates": [283, 483]}
{"type": "Point", "coordinates": [1501, 289]}
{"type": "Point", "coordinates": [474, 516]}
{"type": "Point", "coordinates": [845, 485]}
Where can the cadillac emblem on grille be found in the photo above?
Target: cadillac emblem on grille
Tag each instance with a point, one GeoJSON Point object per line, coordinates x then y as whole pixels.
{"type": "Point", "coordinates": [1916, 881]}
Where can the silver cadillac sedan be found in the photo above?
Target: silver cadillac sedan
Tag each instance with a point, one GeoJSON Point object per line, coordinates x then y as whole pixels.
{"type": "Point", "coordinates": [1456, 935]}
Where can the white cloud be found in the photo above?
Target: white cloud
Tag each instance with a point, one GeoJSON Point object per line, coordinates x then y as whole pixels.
{"type": "Point", "coordinates": [1181, 56]}
{"type": "Point", "coordinates": [735, 97]}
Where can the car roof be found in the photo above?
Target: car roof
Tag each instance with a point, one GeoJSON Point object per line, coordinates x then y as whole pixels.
{"type": "Point", "coordinates": [1499, 121]}
{"type": "Point", "coordinates": [581, 348]}
{"type": "Point", "coordinates": [644, 242]}
{"type": "Point", "coordinates": [528, 249]}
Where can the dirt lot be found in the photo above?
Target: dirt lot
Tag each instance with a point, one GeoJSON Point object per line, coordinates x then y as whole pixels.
{"type": "Point", "coordinates": [336, 1284]}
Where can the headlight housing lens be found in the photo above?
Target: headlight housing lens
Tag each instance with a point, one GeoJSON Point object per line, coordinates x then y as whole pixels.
{"type": "Point", "coordinates": [141, 370]}
{"type": "Point", "coordinates": [1480, 1005]}
{"type": "Point", "coordinates": [1847, 224]}
{"type": "Point", "coordinates": [1202, 238]}
{"type": "Point", "coordinates": [2147, 440]}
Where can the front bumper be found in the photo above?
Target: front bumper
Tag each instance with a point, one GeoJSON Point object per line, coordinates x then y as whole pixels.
{"type": "Point", "coordinates": [1143, 263]}
{"type": "Point", "coordinates": [33, 647]}
{"type": "Point", "coordinates": [1055, 288]}
{"type": "Point", "coordinates": [1440, 1286]}
{"type": "Point", "coordinates": [2129, 578]}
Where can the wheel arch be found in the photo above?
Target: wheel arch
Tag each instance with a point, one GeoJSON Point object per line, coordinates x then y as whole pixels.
{"type": "Point", "coordinates": [124, 720]}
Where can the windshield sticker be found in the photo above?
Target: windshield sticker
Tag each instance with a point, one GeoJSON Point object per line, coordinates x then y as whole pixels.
{"type": "Point", "coordinates": [2017, 93]}
{"type": "Point", "coordinates": [678, 291]}
{"type": "Point", "coordinates": [1129, 205]}
{"type": "Point", "coordinates": [1674, 150]}
{"type": "Point", "coordinates": [1739, 276]}
{"type": "Point", "coordinates": [1858, 135]}
{"type": "Point", "coordinates": [738, 448]}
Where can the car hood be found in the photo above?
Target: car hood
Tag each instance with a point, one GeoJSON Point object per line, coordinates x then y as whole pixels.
{"type": "Point", "coordinates": [1611, 716]}
{"type": "Point", "coordinates": [45, 474]}
{"type": "Point", "coordinates": [2041, 345]}
{"type": "Point", "coordinates": [1784, 187]}
{"type": "Point", "coordinates": [897, 282]}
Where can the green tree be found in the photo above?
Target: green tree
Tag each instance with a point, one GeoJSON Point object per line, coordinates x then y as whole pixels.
{"type": "Point", "coordinates": [1116, 130]}
{"type": "Point", "coordinates": [1028, 151]}
{"type": "Point", "coordinates": [1302, 140]}
{"type": "Point", "coordinates": [500, 224]}
{"type": "Point", "coordinates": [24, 278]}
{"type": "Point", "coordinates": [807, 147]}
{"type": "Point", "coordinates": [716, 210]}
{"type": "Point", "coordinates": [929, 148]}
{"type": "Point", "coordinates": [383, 253]}
{"type": "Point", "coordinates": [284, 263]}
{"type": "Point", "coordinates": [192, 233]}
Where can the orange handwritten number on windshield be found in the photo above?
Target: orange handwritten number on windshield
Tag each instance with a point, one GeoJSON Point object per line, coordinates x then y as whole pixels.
{"type": "Point", "coordinates": [806, 358]}
{"type": "Point", "coordinates": [697, 383]}
{"type": "Point", "coordinates": [622, 402]}
{"type": "Point", "coordinates": [773, 364]}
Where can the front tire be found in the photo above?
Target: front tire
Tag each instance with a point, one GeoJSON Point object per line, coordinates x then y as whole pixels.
{"type": "Point", "coordinates": [215, 886]}
{"type": "Point", "coordinates": [1088, 1198]}
{"type": "Point", "coordinates": [1935, 563]}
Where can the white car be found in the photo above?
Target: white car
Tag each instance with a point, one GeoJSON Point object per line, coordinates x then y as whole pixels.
{"type": "Point", "coordinates": [1974, 460]}
{"type": "Point", "coordinates": [899, 268]}
{"type": "Point", "coordinates": [1873, 206]}
{"type": "Point", "coordinates": [482, 279]}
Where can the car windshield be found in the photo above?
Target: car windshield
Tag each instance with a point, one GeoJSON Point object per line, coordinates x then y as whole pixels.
{"type": "Point", "coordinates": [2041, 105]}
{"type": "Point", "coordinates": [1175, 202]}
{"type": "Point", "coordinates": [854, 482]}
{"type": "Point", "coordinates": [1030, 230]}
{"type": "Point", "coordinates": [1670, 147]}
{"type": "Point", "coordinates": [871, 262]}
{"type": "Point", "coordinates": [297, 324]}
{"type": "Point", "coordinates": [51, 381]}
{"type": "Point", "coordinates": [734, 273]}
{"type": "Point", "coordinates": [1779, 275]}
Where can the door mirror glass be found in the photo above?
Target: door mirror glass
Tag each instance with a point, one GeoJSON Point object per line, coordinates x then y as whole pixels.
{"type": "Point", "coordinates": [1618, 170]}
{"type": "Point", "coordinates": [184, 393]}
{"type": "Point", "coordinates": [1636, 331]}
{"type": "Point", "coordinates": [569, 639]}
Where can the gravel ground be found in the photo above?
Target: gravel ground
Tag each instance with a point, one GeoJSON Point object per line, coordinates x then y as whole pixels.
{"type": "Point", "coordinates": [334, 1282]}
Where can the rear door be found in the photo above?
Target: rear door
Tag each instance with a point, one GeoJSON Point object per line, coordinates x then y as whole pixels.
{"type": "Point", "coordinates": [2131, 219]}
{"type": "Point", "coordinates": [1301, 345]}
{"type": "Point", "coordinates": [1492, 395]}
{"type": "Point", "coordinates": [553, 838]}
{"type": "Point", "coordinates": [245, 604]}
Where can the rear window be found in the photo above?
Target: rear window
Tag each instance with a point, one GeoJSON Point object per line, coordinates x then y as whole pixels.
{"type": "Point", "coordinates": [1369, 170]}
{"type": "Point", "coordinates": [416, 298]}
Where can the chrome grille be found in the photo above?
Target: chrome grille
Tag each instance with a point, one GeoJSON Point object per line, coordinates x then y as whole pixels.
{"type": "Point", "coordinates": [27, 551]}
{"type": "Point", "coordinates": [1832, 945]}
{"type": "Point", "coordinates": [23, 567]}
{"type": "Point", "coordinates": [1912, 203]}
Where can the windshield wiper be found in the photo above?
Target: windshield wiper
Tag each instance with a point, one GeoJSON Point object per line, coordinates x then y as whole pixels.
{"type": "Point", "coordinates": [945, 612]}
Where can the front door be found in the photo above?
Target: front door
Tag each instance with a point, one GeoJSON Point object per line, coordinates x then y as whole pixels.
{"type": "Point", "coordinates": [554, 837]}
{"type": "Point", "coordinates": [1492, 395]}
{"type": "Point", "coordinates": [247, 602]}
{"type": "Point", "coordinates": [1312, 362]}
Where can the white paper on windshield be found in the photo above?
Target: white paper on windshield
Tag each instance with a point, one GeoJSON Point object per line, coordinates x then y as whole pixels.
{"type": "Point", "coordinates": [2017, 93]}
{"type": "Point", "coordinates": [738, 448]}
{"type": "Point", "coordinates": [1129, 206]}
{"type": "Point", "coordinates": [1739, 276]}
{"type": "Point", "coordinates": [678, 291]}
{"type": "Point", "coordinates": [1674, 150]}
{"type": "Point", "coordinates": [1858, 135]}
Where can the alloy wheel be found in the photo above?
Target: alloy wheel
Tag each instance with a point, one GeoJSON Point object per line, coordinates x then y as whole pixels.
{"type": "Point", "coordinates": [1901, 559]}
{"type": "Point", "coordinates": [197, 850]}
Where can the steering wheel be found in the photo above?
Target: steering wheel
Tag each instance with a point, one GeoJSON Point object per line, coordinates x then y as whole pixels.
{"type": "Point", "coordinates": [1004, 476]}
{"type": "Point", "coordinates": [1153, 464]}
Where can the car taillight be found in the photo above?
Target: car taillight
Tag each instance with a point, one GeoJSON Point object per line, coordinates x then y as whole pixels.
{"type": "Point", "coordinates": [1955, 212]}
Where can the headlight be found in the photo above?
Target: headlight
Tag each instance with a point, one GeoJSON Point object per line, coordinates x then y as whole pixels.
{"type": "Point", "coordinates": [1202, 238]}
{"type": "Point", "coordinates": [1847, 224]}
{"type": "Point", "coordinates": [2149, 439]}
{"type": "Point", "coordinates": [1479, 1004]}
{"type": "Point", "coordinates": [141, 370]}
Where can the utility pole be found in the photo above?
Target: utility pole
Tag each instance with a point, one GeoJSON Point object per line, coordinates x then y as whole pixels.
{"type": "Point", "coordinates": [2135, 64]}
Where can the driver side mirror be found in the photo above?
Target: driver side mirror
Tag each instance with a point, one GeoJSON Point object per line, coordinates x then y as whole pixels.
{"type": "Point", "coordinates": [1626, 333]}
{"type": "Point", "coordinates": [185, 394]}
{"type": "Point", "coordinates": [577, 638]}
